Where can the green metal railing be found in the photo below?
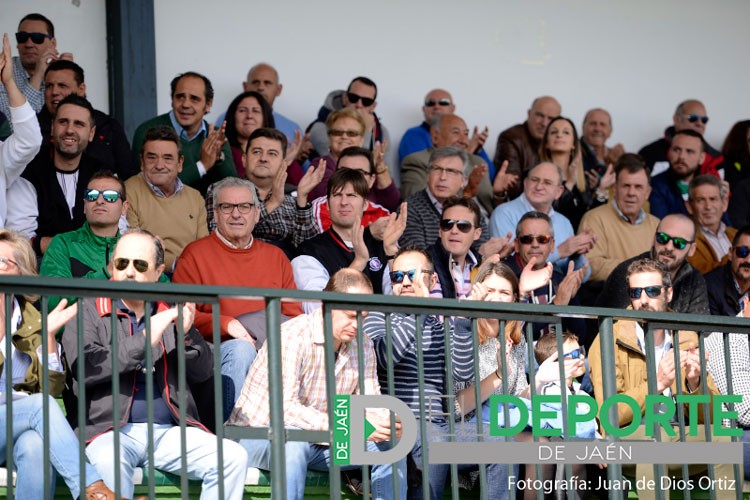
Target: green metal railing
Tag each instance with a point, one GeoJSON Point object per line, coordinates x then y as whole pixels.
{"type": "Point", "coordinates": [276, 433]}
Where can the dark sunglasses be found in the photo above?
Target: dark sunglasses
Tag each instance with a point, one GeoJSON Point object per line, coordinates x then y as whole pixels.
{"type": "Point", "coordinates": [576, 353]}
{"type": "Point", "coordinates": [542, 239]}
{"type": "Point", "coordinates": [109, 195]}
{"type": "Point", "coordinates": [695, 118]}
{"type": "Point", "coordinates": [398, 276]}
{"type": "Point", "coordinates": [679, 243]}
{"type": "Point", "coordinates": [463, 225]}
{"type": "Point", "coordinates": [432, 102]}
{"type": "Point", "coordinates": [742, 251]}
{"type": "Point", "coordinates": [37, 38]}
{"type": "Point", "coordinates": [354, 99]}
{"type": "Point", "coordinates": [140, 265]}
{"type": "Point", "coordinates": [652, 291]}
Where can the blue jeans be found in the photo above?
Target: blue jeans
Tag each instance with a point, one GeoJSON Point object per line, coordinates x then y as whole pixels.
{"type": "Point", "coordinates": [301, 456]}
{"type": "Point", "coordinates": [497, 474]}
{"type": "Point", "coordinates": [202, 458]}
{"type": "Point", "coordinates": [28, 446]}
{"type": "Point", "coordinates": [236, 357]}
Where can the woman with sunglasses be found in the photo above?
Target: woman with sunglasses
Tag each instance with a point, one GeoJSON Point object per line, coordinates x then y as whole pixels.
{"type": "Point", "coordinates": [560, 145]}
{"type": "Point", "coordinates": [504, 357]}
{"type": "Point", "coordinates": [18, 259]}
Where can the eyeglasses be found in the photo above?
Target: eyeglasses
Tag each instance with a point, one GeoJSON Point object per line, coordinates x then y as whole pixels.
{"type": "Point", "coordinates": [337, 132]}
{"type": "Point", "coordinates": [37, 38]}
{"type": "Point", "coordinates": [4, 261]}
{"type": "Point", "coordinates": [432, 102]}
{"type": "Point", "coordinates": [527, 239]}
{"type": "Point", "coordinates": [447, 171]}
{"type": "Point", "coordinates": [742, 251]}
{"type": "Point", "coordinates": [679, 243]}
{"type": "Point", "coordinates": [355, 98]}
{"type": "Point", "coordinates": [652, 291]}
{"type": "Point", "coordinates": [243, 208]}
{"type": "Point", "coordinates": [122, 263]}
{"type": "Point", "coordinates": [695, 118]}
{"type": "Point", "coordinates": [463, 225]}
{"type": "Point", "coordinates": [109, 195]}
{"type": "Point", "coordinates": [579, 353]}
{"type": "Point", "coordinates": [398, 276]}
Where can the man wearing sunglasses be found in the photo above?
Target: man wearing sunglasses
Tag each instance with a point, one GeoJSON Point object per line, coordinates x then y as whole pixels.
{"type": "Point", "coordinates": [82, 252]}
{"type": "Point", "coordinates": [689, 115]}
{"type": "Point", "coordinates": [37, 47]}
{"type": "Point", "coordinates": [61, 173]}
{"type": "Point", "coordinates": [139, 257]}
{"type": "Point", "coordinates": [649, 288]}
{"type": "Point", "coordinates": [437, 102]}
{"type": "Point", "coordinates": [729, 284]}
{"type": "Point", "coordinates": [361, 95]}
{"type": "Point", "coordinates": [110, 146]}
{"type": "Point", "coordinates": [673, 244]}
{"type": "Point", "coordinates": [707, 204]}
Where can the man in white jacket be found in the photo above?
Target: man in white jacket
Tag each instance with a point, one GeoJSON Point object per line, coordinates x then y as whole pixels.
{"type": "Point", "coordinates": [17, 151]}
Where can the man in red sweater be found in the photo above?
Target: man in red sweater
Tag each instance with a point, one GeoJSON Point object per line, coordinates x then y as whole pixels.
{"type": "Point", "coordinates": [231, 256]}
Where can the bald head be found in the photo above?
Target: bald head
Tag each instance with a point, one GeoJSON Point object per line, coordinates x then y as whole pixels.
{"type": "Point", "coordinates": [437, 102]}
{"type": "Point", "coordinates": [542, 110]}
{"type": "Point", "coordinates": [597, 127]}
{"type": "Point", "coordinates": [690, 114]}
{"type": "Point", "coordinates": [450, 130]}
{"type": "Point", "coordinates": [264, 79]}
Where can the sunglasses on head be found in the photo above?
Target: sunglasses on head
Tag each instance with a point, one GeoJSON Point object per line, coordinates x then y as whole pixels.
{"type": "Point", "coordinates": [37, 38]}
{"type": "Point", "coordinates": [695, 118]}
{"type": "Point", "coordinates": [140, 265]}
{"type": "Point", "coordinates": [463, 225]}
{"type": "Point", "coordinates": [398, 276]}
{"type": "Point", "coordinates": [652, 291]}
{"type": "Point", "coordinates": [679, 243]}
{"type": "Point", "coordinates": [742, 251]}
{"type": "Point", "coordinates": [441, 102]}
{"type": "Point", "coordinates": [542, 239]}
{"type": "Point", "coordinates": [355, 98]}
{"type": "Point", "coordinates": [576, 353]}
{"type": "Point", "coordinates": [109, 195]}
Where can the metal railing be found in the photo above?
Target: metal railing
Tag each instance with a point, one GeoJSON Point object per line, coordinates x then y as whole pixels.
{"type": "Point", "coordinates": [276, 433]}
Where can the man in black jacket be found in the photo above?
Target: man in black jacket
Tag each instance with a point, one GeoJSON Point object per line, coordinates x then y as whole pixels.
{"type": "Point", "coordinates": [728, 284]}
{"type": "Point", "coordinates": [139, 256]}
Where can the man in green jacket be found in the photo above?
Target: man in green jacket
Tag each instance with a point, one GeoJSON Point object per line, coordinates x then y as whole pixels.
{"type": "Point", "coordinates": [207, 155]}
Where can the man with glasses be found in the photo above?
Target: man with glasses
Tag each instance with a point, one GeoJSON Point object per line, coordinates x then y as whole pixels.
{"type": "Point", "coordinates": [447, 176]}
{"type": "Point", "coordinates": [649, 288]}
{"type": "Point", "coordinates": [689, 115]}
{"type": "Point", "coordinates": [413, 275]}
{"type": "Point", "coordinates": [361, 95]}
{"type": "Point", "coordinates": [110, 146]}
{"type": "Point", "coordinates": [622, 227]}
{"type": "Point", "coordinates": [450, 130]}
{"type": "Point", "coordinates": [61, 173]}
{"type": "Point", "coordinates": [87, 250]}
{"type": "Point", "coordinates": [230, 256]}
{"type": "Point", "coordinates": [37, 48]}
{"type": "Point", "coordinates": [728, 285]}
{"type": "Point", "coordinates": [346, 243]}
{"type": "Point", "coordinates": [519, 145]}
{"type": "Point", "coordinates": [159, 201]}
{"type": "Point", "coordinates": [673, 244]}
{"type": "Point", "coordinates": [707, 204]}
{"type": "Point", "coordinates": [139, 257]}
{"type": "Point", "coordinates": [541, 187]}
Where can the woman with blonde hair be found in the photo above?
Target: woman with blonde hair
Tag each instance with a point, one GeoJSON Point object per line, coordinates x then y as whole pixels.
{"type": "Point", "coordinates": [18, 259]}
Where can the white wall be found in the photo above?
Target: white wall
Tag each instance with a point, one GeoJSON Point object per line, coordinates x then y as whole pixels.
{"type": "Point", "coordinates": [637, 58]}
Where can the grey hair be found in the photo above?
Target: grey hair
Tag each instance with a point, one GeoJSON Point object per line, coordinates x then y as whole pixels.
{"type": "Point", "coordinates": [228, 182]}
{"type": "Point", "coordinates": [158, 247]}
{"type": "Point", "coordinates": [534, 215]}
{"type": "Point", "coordinates": [449, 152]}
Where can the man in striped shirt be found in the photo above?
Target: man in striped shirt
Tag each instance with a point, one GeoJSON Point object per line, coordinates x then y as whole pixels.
{"type": "Point", "coordinates": [413, 275]}
{"type": "Point", "coordinates": [304, 389]}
